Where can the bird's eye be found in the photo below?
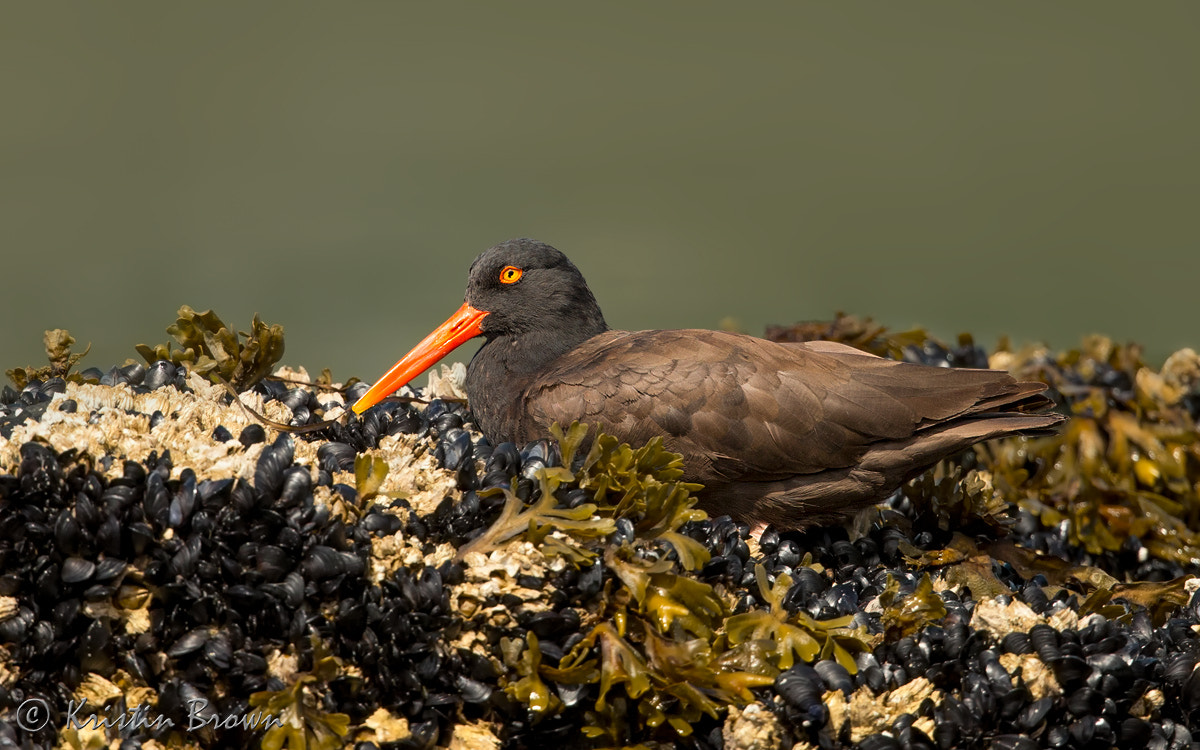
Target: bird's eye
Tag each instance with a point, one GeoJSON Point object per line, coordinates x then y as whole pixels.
{"type": "Point", "coordinates": [510, 275]}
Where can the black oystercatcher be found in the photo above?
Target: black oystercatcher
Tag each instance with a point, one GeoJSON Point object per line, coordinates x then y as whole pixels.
{"type": "Point", "coordinates": [788, 434]}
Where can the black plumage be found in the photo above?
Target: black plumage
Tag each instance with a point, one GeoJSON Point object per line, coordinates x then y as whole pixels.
{"type": "Point", "coordinates": [784, 433]}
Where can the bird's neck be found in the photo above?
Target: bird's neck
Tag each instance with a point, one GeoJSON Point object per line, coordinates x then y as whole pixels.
{"type": "Point", "coordinates": [505, 366]}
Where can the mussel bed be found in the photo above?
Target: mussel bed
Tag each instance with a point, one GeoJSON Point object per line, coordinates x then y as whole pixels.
{"type": "Point", "coordinates": [396, 581]}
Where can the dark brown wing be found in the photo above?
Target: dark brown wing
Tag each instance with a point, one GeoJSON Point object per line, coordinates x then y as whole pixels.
{"type": "Point", "coordinates": [740, 406]}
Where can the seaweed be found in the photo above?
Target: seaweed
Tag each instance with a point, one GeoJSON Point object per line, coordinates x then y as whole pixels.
{"type": "Point", "coordinates": [906, 614]}
{"type": "Point", "coordinates": [796, 635]}
{"type": "Point", "coordinates": [621, 631]}
{"type": "Point", "coordinates": [1127, 466]}
{"type": "Point", "coordinates": [531, 689]}
{"type": "Point", "coordinates": [674, 681]}
{"type": "Point", "coordinates": [970, 564]}
{"type": "Point", "coordinates": [671, 601]}
{"type": "Point", "coordinates": [542, 517]}
{"type": "Point", "coordinates": [960, 498]}
{"type": "Point", "coordinates": [369, 473]}
{"type": "Point", "coordinates": [57, 343]}
{"type": "Point", "coordinates": [861, 333]}
{"type": "Point", "coordinates": [1159, 598]}
{"type": "Point", "coordinates": [665, 651]}
{"type": "Point", "coordinates": [640, 485]}
{"type": "Point", "coordinates": [211, 349]}
{"type": "Point", "coordinates": [304, 726]}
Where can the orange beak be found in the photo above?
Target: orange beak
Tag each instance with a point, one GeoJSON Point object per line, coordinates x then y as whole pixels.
{"type": "Point", "coordinates": [461, 326]}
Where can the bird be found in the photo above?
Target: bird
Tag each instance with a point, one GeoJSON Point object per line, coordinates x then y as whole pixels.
{"type": "Point", "coordinates": [792, 435]}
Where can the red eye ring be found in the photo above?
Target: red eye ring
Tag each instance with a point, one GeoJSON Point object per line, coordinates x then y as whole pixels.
{"type": "Point", "coordinates": [510, 275]}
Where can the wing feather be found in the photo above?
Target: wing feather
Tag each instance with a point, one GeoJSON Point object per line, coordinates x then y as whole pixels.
{"type": "Point", "coordinates": [751, 407]}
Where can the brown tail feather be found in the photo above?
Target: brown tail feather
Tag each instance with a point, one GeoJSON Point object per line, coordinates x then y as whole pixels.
{"type": "Point", "coordinates": [835, 494]}
{"type": "Point", "coordinates": [1023, 397]}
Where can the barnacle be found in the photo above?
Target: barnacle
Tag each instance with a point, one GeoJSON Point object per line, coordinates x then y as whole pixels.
{"type": "Point", "coordinates": [382, 726]}
{"type": "Point", "coordinates": [596, 610]}
{"type": "Point", "coordinates": [866, 713]}
{"type": "Point", "coordinates": [213, 350]}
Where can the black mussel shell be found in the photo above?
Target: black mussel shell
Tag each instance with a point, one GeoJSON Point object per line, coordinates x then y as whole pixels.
{"type": "Point", "coordinates": [77, 570]}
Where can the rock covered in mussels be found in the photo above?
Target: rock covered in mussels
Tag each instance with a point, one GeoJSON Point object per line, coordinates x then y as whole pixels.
{"type": "Point", "coordinates": [396, 581]}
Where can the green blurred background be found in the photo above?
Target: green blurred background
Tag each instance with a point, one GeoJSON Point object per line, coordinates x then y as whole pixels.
{"type": "Point", "coordinates": [1029, 168]}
